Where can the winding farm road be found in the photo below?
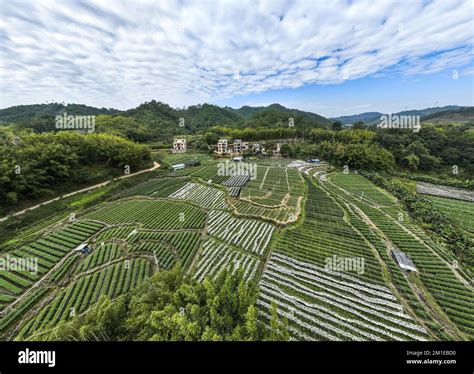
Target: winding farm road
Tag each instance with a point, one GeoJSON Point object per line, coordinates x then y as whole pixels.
{"type": "Point", "coordinates": [156, 165]}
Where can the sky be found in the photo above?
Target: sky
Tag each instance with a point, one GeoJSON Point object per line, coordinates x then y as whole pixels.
{"type": "Point", "coordinates": [329, 57]}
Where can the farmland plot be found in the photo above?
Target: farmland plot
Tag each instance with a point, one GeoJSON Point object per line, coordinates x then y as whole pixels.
{"type": "Point", "coordinates": [249, 234]}
{"type": "Point", "coordinates": [444, 191]}
{"type": "Point", "coordinates": [271, 187]}
{"type": "Point", "coordinates": [205, 196]}
{"type": "Point", "coordinates": [159, 187]}
{"type": "Point", "coordinates": [458, 211]}
{"type": "Point", "coordinates": [217, 256]}
{"type": "Point", "coordinates": [363, 189]}
{"type": "Point", "coordinates": [324, 234]}
{"type": "Point", "coordinates": [86, 291]}
{"type": "Point", "coordinates": [101, 254]}
{"type": "Point", "coordinates": [450, 291]}
{"type": "Point", "coordinates": [168, 247]}
{"type": "Point", "coordinates": [325, 305]}
{"type": "Point", "coordinates": [210, 173]}
{"type": "Point", "coordinates": [276, 194]}
{"type": "Point", "coordinates": [151, 214]}
{"type": "Point", "coordinates": [47, 251]}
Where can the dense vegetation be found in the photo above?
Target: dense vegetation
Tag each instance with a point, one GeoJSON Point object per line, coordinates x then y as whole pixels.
{"type": "Point", "coordinates": [171, 307]}
{"type": "Point", "coordinates": [25, 113]}
{"type": "Point", "coordinates": [35, 165]}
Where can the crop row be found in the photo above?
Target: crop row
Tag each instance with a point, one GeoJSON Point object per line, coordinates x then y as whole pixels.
{"type": "Point", "coordinates": [101, 254]}
{"type": "Point", "coordinates": [218, 256]}
{"type": "Point", "coordinates": [152, 214]}
{"type": "Point", "coordinates": [160, 187]}
{"type": "Point", "coordinates": [21, 308]}
{"type": "Point", "coordinates": [205, 196]}
{"type": "Point", "coordinates": [185, 243]}
{"type": "Point", "coordinates": [249, 234]}
{"type": "Point", "coordinates": [210, 173]}
{"type": "Point", "coordinates": [454, 297]}
{"type": "Point", "coordinates": [325, 305]}
{"type": "Point", "coordinates": [120, 232]}
{"type": "Point", "coordinates": [85, 292]}
{"type": "Point", "coordinates": [325, 239]}
{"type": "Point", "coordinates": [45, 253]}
{"type": "Point", "coordinates": [459, 211]}
{"type": "Point", "coordinates": [162, 253]}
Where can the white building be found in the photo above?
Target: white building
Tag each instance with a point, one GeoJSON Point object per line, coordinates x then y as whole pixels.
{"type": "Point", "coordinates": [222, 146]}
{"type": "Point", "coordinates": [178, 167]}
{"type": "Point", "coordinates": [240, 147]}
{"type": "Point", "coordinates": [179, 146]}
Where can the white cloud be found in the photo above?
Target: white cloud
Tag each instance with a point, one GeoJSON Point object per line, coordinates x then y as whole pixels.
{"type": "Point", "coordinates": [119, 54]}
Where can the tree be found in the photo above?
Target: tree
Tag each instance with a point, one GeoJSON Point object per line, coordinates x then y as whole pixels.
{"type": "Point", "coordinates": [358, 125]}
{"type": "Point", "coordinates": [336, 126]}
{"type": "Point", "coordinates": [169, 306]}
{"type": "Point", "coordinates": [285, 150]}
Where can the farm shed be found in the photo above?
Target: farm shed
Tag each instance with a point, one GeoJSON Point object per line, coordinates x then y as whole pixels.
{"type": "Point", "coordinates": [178, 166]}
{"type": "Point", "coordinates": [83, 248]}
{"type": "Point", "coordinates": [403, 261]}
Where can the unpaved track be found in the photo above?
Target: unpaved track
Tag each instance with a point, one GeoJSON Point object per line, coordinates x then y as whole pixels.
{"type": "Point", "coordinates": [156, 165]}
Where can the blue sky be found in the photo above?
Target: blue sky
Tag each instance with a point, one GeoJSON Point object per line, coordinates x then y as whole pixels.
{"type": "Point", "coordinates": [381, 94]}
{"type": "Point", "coordinates": [330, 57]}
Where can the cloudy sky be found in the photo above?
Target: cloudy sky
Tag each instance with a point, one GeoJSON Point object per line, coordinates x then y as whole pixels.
{"type": "Point", "coordinates": [330, 57]}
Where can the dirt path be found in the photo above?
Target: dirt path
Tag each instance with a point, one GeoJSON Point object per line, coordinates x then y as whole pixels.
{"type": "Point", "coordinates": [264, 177]}
{"type": "Point", "coordinates": [156, 165]}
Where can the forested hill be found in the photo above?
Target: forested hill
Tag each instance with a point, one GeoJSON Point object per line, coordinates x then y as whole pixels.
{"type": "Point", "coordinates": [157, 120]}
{"type": "Point", "coordinates": [21, 113]}
{"type": "Point", "coordinates": [462, 115]}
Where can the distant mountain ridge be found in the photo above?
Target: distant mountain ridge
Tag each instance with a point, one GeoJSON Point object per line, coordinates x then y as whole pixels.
{"type": "Point", "coordinates": [371, 118]}
{"type": "Point", "coordinates": [158, 116]}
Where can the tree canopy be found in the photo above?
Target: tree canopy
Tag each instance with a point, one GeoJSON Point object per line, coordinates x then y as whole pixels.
{"type": "Point", "coordinates": [172, 307]}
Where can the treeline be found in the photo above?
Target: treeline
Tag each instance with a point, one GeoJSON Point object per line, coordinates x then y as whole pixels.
{"type": "Point", "coordinates": [448, 149]}
{"type": "Point", "coordinates": [172, 307]}
{"type": "Point", "coordinates": [432, 148]}
{"type": "Point", "coordinates": [24, 114]}
{"type": "Point", "coordinates": [35, 165]}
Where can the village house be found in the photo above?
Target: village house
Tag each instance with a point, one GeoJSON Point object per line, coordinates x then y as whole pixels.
{"type": "Point", "coordinates": [277, 151]}
{"type": "Point", "coordinates": [222, 146]}
{"type": "Point", "coordinates": [179, 146]}
{"type": "Point", "coordinates": [240, 147]}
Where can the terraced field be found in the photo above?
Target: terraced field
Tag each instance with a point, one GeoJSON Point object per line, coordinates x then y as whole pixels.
{"type": "Point", "coordinates": [251, 235]}
{"type": "Point", "coordinates": [288, 231]}
{"type": "Point", "coordinates": [276, 194]}
{"type": "Point", "coordinates": [322, 305]}
{"type": "Point", "coordinates": [46, 252]}
{"type": "Point", "coordinates": [450, 296]}
{"type": "Point", "coordinates": [151, 214]}
{"type": "Point", "coordinates": [208, 197]}
{"type": "Point", "coordinates": [86, 291]}
{"type": "Point", "coordinates": [217, 256]}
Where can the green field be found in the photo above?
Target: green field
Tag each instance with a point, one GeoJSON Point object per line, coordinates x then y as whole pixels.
{"type": "Point", "coordinates": [287, 231]}
{"type": "Point", "coordinates": [459, 211]}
